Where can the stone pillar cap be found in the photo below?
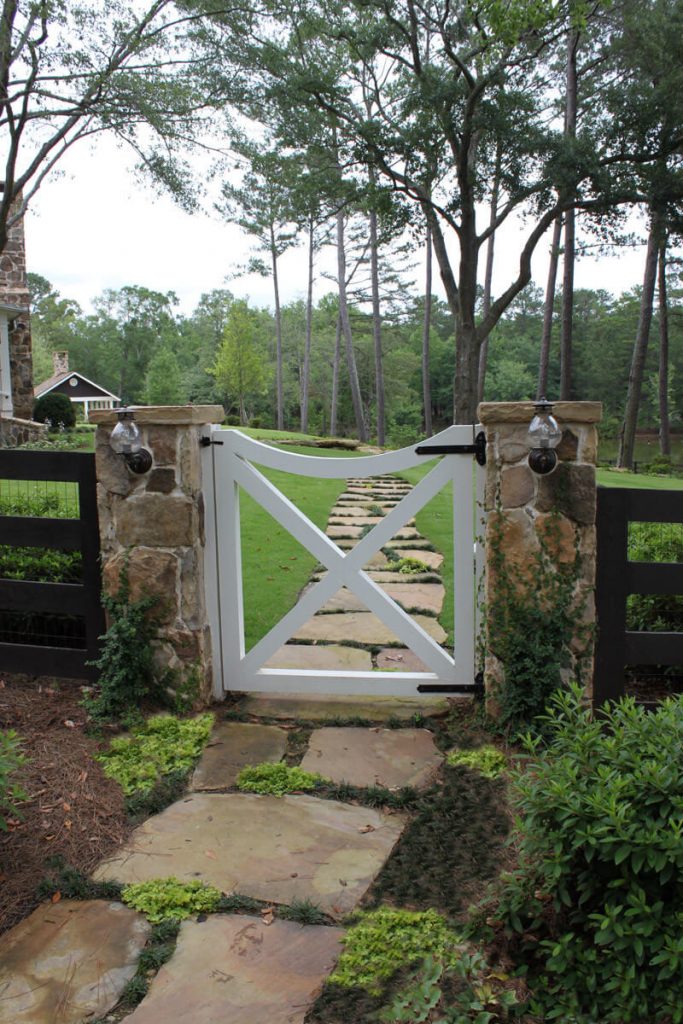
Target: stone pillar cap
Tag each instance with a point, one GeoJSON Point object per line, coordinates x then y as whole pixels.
{"type": "Point", "coordinates": [166, 415]}
{"type": "Point", "coordinates": [522, 412]}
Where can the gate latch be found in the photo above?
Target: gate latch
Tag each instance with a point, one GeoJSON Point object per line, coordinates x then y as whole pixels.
{"type": "Point", "coordinates": [478, 449]}
{"type": "Point", "coordinates": [204, 442]}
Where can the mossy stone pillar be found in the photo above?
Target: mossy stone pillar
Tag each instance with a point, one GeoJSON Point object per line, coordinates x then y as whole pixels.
{"type": "Point", "coordinates": [539, 529]}
{"type": "Point", "coordinates": [156, 521]}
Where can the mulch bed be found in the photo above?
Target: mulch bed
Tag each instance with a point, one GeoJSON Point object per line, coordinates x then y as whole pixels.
{"type": "Point", "coordinates": [72, 813]}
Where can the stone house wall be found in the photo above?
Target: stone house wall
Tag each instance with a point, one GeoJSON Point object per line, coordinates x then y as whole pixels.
{"type": "Point", "coordinates": [155, 523]}
{"type": "Point", "coordinates": [14, 291]}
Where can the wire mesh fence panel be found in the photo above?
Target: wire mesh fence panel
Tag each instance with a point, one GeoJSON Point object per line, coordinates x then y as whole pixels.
{"type": "Point", "coordinates": [54, 499]}
{"type": "Point", "coordinates": [655, 542]}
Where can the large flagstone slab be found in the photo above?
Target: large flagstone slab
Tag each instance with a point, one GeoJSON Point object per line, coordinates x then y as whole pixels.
{"type": "Point", "coordinates": [386, 576]}
{"type": "Point", "coordinates": [344, 531]}
{"type": "Point", "coordinates": [373, 757]}
{"type": "Point", "coordinates": [233, 969]}
{"type": "Point", "coordinates": [232, 746]}
{"type": "Point", "coordinates": [69, 961]}
{"type": "Point", "coordinates": [400, 659]}
{"type": "Point", "coordinates": [420, 597]}
{"type": "Point", "coordinates": [331, 656]}
{"type": "Point", "coordinates": [281, 850]}
{"type": "Point", "coordinates": [361, 628]}
{"type": "Point", "coordinates": [322, 707]}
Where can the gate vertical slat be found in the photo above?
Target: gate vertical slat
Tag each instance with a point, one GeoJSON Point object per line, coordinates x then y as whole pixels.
{"type": "Point", "coordinates": [230, 563]}
{"type": "Point", "coordinates": [95, 623]}
{"type": "Point", "coordinates": [464, 595]}
{"type": "Point", "coordinates": [610, 594]}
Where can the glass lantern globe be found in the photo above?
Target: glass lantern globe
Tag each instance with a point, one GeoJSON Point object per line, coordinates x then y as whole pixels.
{"type": "Point", "coordinates": [125, 437]}
{"type": "Point", "coordinates": [544, 430]}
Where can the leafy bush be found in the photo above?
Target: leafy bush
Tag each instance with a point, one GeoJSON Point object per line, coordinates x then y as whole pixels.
{"type": "Point", "coordinates": [488, 761]}
{"type": "Point", "coordinates": [10, 761]}
{"type": "Point", "coordinates": [38, 506]}
{"type": "Point", "coordinates": [653, 542]}
{"type": "Point", "coordinates": [594, 912]}
{"type": "Point", "coordinates": [385, 940]}
{"type": "Point", "coordinates": [276, 778]}
{"type": "Point", "coordinates": [126, 661]}
{"type": "Point", "coordinates": [162, 746]}
{"type": "Point", "coordinates": [56, 408]}
{"type": "Point", "coordinates": [168, 899]}
{"type": "Point", "coordinates": [42, 565]}
{"type": "Point", "coordinates": [232, 420]}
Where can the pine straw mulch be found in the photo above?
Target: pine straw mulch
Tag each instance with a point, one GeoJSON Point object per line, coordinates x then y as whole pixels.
{"type": "Point", "coordinates": [72, 810]}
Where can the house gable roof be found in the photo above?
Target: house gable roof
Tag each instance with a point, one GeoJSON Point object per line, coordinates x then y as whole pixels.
{"type": "Point", "coordinates": [58, 378]}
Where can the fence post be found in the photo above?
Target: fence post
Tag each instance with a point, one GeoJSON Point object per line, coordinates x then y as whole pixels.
{"type": "Point", "coordinates": [156, 522]}
{"type": "Point", "coordinates": [526, 512]}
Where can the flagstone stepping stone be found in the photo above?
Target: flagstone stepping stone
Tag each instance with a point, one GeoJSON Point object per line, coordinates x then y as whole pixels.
{"type": "Point", "coordinates": [344, 531]}
{"type": "Point", "coordinates": [321, 707]}
{"type": "Point", "coordinates": [407, 533]}
{"type": "Point", "coordinates": [412, 542]}
{"type": "Point", "coordinates": [233, 969]}
{"type": "Point", "coordinates": [332, 656]}
{"type": "Point", "coordinates": [400, 660]}
{"type": "Point", "coordinates": [354, 520]}
{"type": "Point", "coordinates": [69, 961]}
{"type": "Point", "coordinates": [275, 849]}
{"type": "Point", "coordinates": [427, 597]}
{"type": "Point", "coordinates": [361, 628]}
{"type": "Point", "coordinates": [431, 558]}
{"type": "Point", "coordinates": [373, 757]}
{"type": "Point", "coordinates": [232, 746]}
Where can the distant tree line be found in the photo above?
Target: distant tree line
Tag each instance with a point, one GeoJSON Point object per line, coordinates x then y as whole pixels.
{"type": "Point", "coordinates": [137, 344]}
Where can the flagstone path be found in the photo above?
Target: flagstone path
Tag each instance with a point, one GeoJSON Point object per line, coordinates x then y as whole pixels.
{"type": "Point", "coordinates": [344, 619]}
{"type": "Point", "coordinates": [69, 961]}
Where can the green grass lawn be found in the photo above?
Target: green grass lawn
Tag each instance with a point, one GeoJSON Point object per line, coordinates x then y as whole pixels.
{"type": "Point", "coordinates": [273, 436]}
{"type": "Point", "coordinates": [275, 567]}
{"type": "Point", "coordinates": [621, 478]}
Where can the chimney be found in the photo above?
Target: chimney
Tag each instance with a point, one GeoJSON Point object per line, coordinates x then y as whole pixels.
{"type": "Point", "coordinates": [60, 362]}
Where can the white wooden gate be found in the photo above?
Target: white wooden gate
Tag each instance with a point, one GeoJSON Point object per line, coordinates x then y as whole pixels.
{"type": "Point", "coordinates": [229, 459]}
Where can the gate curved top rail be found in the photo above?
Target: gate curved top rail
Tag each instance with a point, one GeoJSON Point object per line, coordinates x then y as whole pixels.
{"type": "Point", "coordinates": [331, 468]}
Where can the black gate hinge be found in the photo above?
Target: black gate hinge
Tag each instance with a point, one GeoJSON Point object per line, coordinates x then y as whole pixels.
{"type": "Point", "coordinates": [478, 449]}
{"type": "Point", "coordinates": [204, 442]}
{"type": "Point", "coordinates": [476, 689]}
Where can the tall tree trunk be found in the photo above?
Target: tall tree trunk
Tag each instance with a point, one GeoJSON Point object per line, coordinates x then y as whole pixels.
{"type": "Point", "coordinates": [635, 379]}
{"type": "Point", "coordinates": [544, 360]}
{"type": "Point", "coordinates": [488, 275]}
{"type": "Point", "coordinates": [376, 323]}
{"type": "Point", "coordinates": [309, 325]}
{"type": "Point", "coordinates": [279, 401]}
{"type": "Point", "coordinates": [334, 402]}
{"type": "Point", "coordinates": [346, 331]}
{"type": "Point", "coordinates": [569, 231]}
{"type": "Point", "coordinates": [664, 431]}
{"type": "Point", "coordinates": [426, 325]}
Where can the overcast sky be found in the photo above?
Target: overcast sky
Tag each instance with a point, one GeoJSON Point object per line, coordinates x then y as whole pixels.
{"type": "Point", "coordinates": [95, 227]}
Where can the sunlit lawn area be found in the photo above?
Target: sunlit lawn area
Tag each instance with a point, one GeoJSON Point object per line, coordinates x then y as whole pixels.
{"type": "Point", "coordinates": [274, 566]}
{"type": "Point", "coordinates": [620, 478]}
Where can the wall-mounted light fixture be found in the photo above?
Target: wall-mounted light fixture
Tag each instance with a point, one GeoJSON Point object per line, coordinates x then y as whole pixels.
{"type": "Point", "coordinates": [125, 440]}
{"type": "Point", "coordinates": [544, 437]}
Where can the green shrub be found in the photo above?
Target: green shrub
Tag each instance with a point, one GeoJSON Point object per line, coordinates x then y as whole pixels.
{"type": "Point", "coordinates": [488, 761]}
{"type": "Point", "coordinates": [385, 940]}
{"type": "Point", "coordinates": [10, 761]}
{"type": "Point", "coordinates": [594, 912]}
{"type": "Point", "coordinates": [255, 422]}
{"type": "Point", "coordinates": [42, 565]}
{"type": "Point", "coordinates": [276, 778]}
{"type": "Point", "coordinates": [232, 420]}
{"type": "Point", "coordinates": [56, 408]}
{"type": "Point", "coordinates": [168, 899]}
{"type": "Point", "coordinates": [162, 746]}
{"type": "Point", "coordinates": [655, 542]}
{"type": "Point", "coordinates": [126, 661]}
{"type": "Point", "coordinates": [38, 506]}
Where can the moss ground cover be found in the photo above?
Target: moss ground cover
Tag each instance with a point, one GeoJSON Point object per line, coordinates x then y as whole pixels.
{"type": "Point", "coordinates": [168, 899]}
{"type": "Point", "coordinates": [276, 779]}
{"type": "Point", "coordinates": [163, 745]}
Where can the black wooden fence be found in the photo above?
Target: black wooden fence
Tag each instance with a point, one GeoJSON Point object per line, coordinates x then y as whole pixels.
{"type": "Point", "coordinates": [52, 651]}
{"type": "Point", "coordinates": [617, 577]}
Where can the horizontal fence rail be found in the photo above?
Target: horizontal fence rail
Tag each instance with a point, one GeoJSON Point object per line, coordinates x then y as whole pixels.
{"type": "Point", "coordinates": [51, 628]}
{"type": "Point", "coordinates": [617, 578]}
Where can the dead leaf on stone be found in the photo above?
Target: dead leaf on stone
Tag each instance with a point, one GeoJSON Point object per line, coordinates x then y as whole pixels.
{"type": "Point", "coordinates": [366, 828]}
{"type": "Point", "coordinates": [343, 882]}
{"type": "Point", "coordinates": [210, 854]}
{"type": "Point", "coordinates": [267, 915]}
{"type": "Point", "coordinates": [56, 897]}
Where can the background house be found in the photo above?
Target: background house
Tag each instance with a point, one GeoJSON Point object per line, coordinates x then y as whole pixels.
{"type": "Point", "coordinates": [78, 389]}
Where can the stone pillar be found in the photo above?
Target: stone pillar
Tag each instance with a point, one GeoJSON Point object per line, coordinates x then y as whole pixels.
{"type": "Point", "coordinates": [156, 520]}
{"type": "Point", "coordinates": [531, 517]}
